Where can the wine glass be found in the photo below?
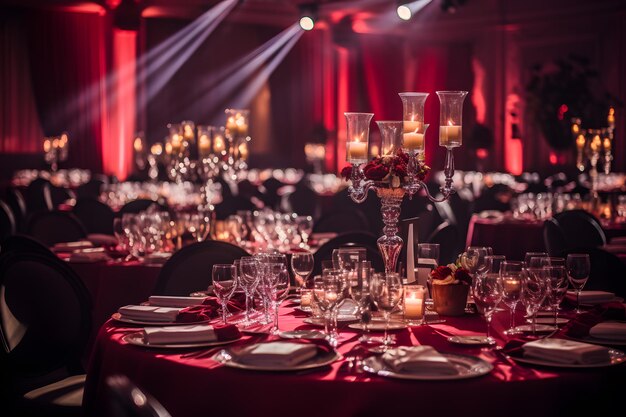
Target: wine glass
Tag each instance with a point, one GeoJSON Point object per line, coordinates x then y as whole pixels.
{"type": "Point", "coordinates": [552, 261]}
{"type": "Point", "coordinates": [305, 228]}
{"type": "Point", "coordinates": [534, 291]}
{"type": "Point", "coordinates": [386, 291]}
{"type": "Point", "coordinates": [276, 279]}
{"type": "Point", "coordinates": [511, 276]}
{"type": "Point", "coordinates": [302, 266]}
{"type": "Point", "coordinates": [361, 294]}
{"type": "Point", "coordinates": [248, 280]}
{"type": "Point", "coordinates": [328, 292]}
{"type": "Point", "coordinates": [493, 262]}
{"type": "Point", "coordinates": [530, 255]}
{"type": "Point", "coordinates": [224, 284]}
{"type": "Point", "coordinates": [487, 293]}
{"type": "Point", "coordinates": [578, 268]}
{"type": "Point", "coordinates": [556, 277]}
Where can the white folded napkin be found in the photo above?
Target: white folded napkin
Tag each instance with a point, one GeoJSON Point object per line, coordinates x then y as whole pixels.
{"type": "Point", "coordinates": [179, 334]}
{"type": "Point", "coordinates": [149, 313]}
{"type": "Point", "coordinates": [89, 255]}
{"type": "Point", "coordinates": [277, 353]}
{"type": "Point", "coordinates": [157, 258]}
{"type": "Point", "coordinates": [171, 301]}
{"type": "Point", "coordinates": [613, 330]}
{"type": "Point", "coordinates": [71, 246]}
{"type": "Point", "coordinates": [566, 351]}
{"type": "Point", "coordinates": [592, 297]}
{"type": "Point", "coordinates": [100, 239]}
{"type": "Point", "coordinates": [418, 360]}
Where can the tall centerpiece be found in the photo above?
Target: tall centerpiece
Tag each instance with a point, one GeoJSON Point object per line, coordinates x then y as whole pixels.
{"type": "Point", "coordinates": [400, 169]}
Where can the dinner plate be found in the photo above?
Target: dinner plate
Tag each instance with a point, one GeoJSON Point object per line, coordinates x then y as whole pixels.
{"type": "Point", "coordinates": [322, 359]}
{"type": "Point", "coordinates": [467, 366]}
{"type": "Point", "coordinates": [302, 334]}
{"type": "Point", "coordinates": [304, 309]}
{"type": "Point", "coordinates": [137, 340]}
{"type": "Point", "coordinates": [118, 317]}
{"type": "Point", "coordinates": [318, 321]}
{"type": "Point", "coordinates": [600, 341]}
{"type": "Point", "coordinates": [476, 340]}
{"type": "Point", "coordinates": [540, 328]}
{"type": "Point", "coordinates": [617, 357]}
{"type": "Point", "coordinates": [379, 325]}
{"type": "Point", "coordinates": [550, 320]}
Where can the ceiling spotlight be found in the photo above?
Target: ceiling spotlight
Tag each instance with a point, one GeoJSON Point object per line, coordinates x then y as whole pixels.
{"type": "Point", "coordinates": [308, 15]}
{"type": "Point", "coordinates": [404, 12]}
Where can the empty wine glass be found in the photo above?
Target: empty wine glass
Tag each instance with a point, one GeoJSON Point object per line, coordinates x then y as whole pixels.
{"type": "Point", "coordinates": [487, 293]}
{"type": "Point", "coordinates": [556, 277]}
{"type": "Point", "coordinates": [361, 294]}
{"type": "Point", "coordinates": [276, 282]}
{"type": "Point", "coordinates": [511, 275]}
{"type": "Point", "coordinates": [248, 280]}
{"type": "Point", "coordinates": [224, 284]}
{"type": "Point", "coordinates": [530, 255]}
{"type": "Point", "coordinates": [534, 291]}
{"type": "Point", "coordinates": [386, 291]}
{"type": "Point", "coordinates": [302, 266]}
{"type": "Point", "coordinates": [552, 261]}
{"type": "Point", "coordinates": [578, 268]}
{"type": "Point", "coordinates": [328, 293]}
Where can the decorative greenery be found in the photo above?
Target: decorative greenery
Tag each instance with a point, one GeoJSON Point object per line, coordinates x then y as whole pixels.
{"type": "Point", "coordinates": [561, 90]}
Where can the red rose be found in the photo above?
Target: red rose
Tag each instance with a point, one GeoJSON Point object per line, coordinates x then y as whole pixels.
{"type": "Point", "coordinates": [346, 172]}
{"type": "Point", "coordinates": [463, 276]}
{"type": "Point", "coordinates": [404, 157]}
{"type": "Point", "coordinates": [400, 170]}
{"type": "Point", "coordinates": [375, 172]}
{"type": "Point", "coordinates": [441, 272]}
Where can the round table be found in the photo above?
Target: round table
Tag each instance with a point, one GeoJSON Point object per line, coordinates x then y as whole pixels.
{"type": "Point", "coordinates": [190, 386]}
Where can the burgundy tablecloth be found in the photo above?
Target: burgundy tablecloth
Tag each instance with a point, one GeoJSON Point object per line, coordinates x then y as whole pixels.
{"type": "Point", "coordinates": [507, 237]}
{"type": "Point", "coordinates": [201, 387]}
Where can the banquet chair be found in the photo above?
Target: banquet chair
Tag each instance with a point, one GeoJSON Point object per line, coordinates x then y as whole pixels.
{"type": "Point", "coordinates": [581, 228]}
{"type": "Point", "coordinates": [139, 205]}
{"type": "Point", "coordinates": [341, 221]}
{"type": "Point", "coordinates": [22, 243]}
{"type": "Point", "coordinates": [36, 196]}
{"type": "Point", "coordinates": [45, 322]}
{"type": "Point", "coordinates": [90, 189]}
{"type": "Point", "coordinates": [7, 221]}
{"type": "Point", "coordinates": [608, 272]}
{"type": "Point", "coordinates": [96, 216]}
{"type": "Point", "coordinates": [447, 236]}
{"type": "Point", "coordinates": [55, 226]}
{"type": "Point", "coordinates": [15, 200]}
{"type": "Point", "coordinates": [359, 239]}
{"type": "Point", "coordinates": [190, 268]}
{"type": "Point", "coordinates": [56, 196]}
{"type": "Point", "coordinates": [553, 237]}
{"type": "Point", "coordinates": [127, 400]}
{"type": "Point", "coordinates": [304, 201]}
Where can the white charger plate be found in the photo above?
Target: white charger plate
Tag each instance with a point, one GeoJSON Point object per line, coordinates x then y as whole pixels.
{"type": "Point", "coordinates": [467, 367]}
{"type": "Point", "coordinates": [225, 358]}
{"type": "Point", "coordinates": [137, 340]}
{"type": "Point", "coordinates": [377, 325]}
{"type": "Point", "coordinates": [317, 321]}
{"type": "Point", "coordinates": [118, 317]}
{"type": "Point", "coordinates": [616, 357]}
{"type": "Point", "coordinates": [476, 340]}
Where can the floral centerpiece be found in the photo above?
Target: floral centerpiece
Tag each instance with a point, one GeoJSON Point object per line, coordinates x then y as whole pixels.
{"type": "Point", "coordinates": [449, 287]}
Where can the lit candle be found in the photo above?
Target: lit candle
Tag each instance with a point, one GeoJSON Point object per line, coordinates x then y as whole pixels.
{"type": "Point", "coordinates": [580, 142]}
{"type": "Point", "coordinates": [450, 136]}
{"type": "Point", "coordinates": [413, 141]}
{"type": "Point", "coordinates": [188, 132]}
{"type": "Point", "coordinates": [231, 124]}
{"type": "Point", "coordinates": [331, 296]}
{"type": "Point", "coordinates": [177, 143]}
{"type": "Point", "coordinates": [606, 144]}
{"type": "Point", "coordinates": [204, 145]}
{"type": "Point", "coordinates": [410, 126]}
{"type": "Point", "coordinates": [414, 302]}
{"type": "Point", "coordinates": [357, 152]}
{"type": "Point", "coordinates": [243, 150]}
{"type": "Point", "coordinates": [512, 286]}
{"type": "Point", "coordinates": [218, 144]}
{"type": "Point", "coordinates": [55, 143]}
{"type": "Point", "coordinates": [242, 126]}
{"type": "Point", "coordinates": [156, 149]}
{"type": "Point", "coordinates": [305, 298]}
{"type": "Point", "coordinates": [138, 145]}
{"type": "Point", "coordinates": [596, 143]}
{"type": "Point", "coordinates": [47, 145]}
{"type": "Point", "coordinates": [168, 148]}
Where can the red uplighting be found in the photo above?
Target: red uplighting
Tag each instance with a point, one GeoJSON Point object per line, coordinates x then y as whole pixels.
{"type": "Point", "coordinates": [562, 110]}
{"type": "Point", "coordinates": [553, 159]}
{"type": "Point", "coordinates": [482, 153]}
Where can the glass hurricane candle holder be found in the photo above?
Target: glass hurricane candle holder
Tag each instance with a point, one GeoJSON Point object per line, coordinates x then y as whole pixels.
{"type": "Point", "coordinates": [391, 136]}
{"type": "Point", "coordinates": [451, 118]}
{"type": "Point", "coordinates": [205, 134]}
{"type": "Point", "coordinates": [237, 122]}
{"type": "Point", "coordinates": [414, 296]}
{"type": "Point", "coordinates": [358, 127]}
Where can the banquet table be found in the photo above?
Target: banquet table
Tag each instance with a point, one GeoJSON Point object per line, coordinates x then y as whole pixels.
{"type": "Point", "coordinates": [190, 385]}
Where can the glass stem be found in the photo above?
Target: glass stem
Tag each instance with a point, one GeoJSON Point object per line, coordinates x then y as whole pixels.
{"type": "Point", "coordinates": [276, 304]}
{"type": "Point", "coordinates": [488, 320]}
{"type": "Point", "coordinates": [247, 308]}
{"type": "Point", "coordinates": [556, 314]}
{"type": "Point", "coordinates": [512, 321]}
{"type": "Point", "coordinates": [386, 340]}
{"type": "Point", "coordinates": [578, 301]}
{"type": "Point", "coordinates": [224, 311]}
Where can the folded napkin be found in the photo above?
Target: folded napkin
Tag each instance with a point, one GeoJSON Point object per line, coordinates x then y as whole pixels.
{"type": "Point", "coordinates": [72, 246]}
{"type": "Point", "coordinates": [209, 309]}
{"type": "Point", "coordinates": [592, 297]}
{"type": "Point", "coordinates": [610, 330]}
{"type": "Point", "coordinates": [157, 258]}
{"type": "Point", "coordinates": [172, 301]}
{"type": "Point", "coordinates": [89, 255]}
{"type": "Point", "coordinates": [149, 313]}
{"type": "Point", "coordinates": [190, 334]}
{"type": "Point", "coordinates": [100, 239]}
{"type": "Point", "coordinates": [277, 353]}
{"type": "Point", "coordinates": [566, 351]}
{"type": "Point", "coordinates": [418, 360]}
{"type": "Point", "coordinates": [582, 324]}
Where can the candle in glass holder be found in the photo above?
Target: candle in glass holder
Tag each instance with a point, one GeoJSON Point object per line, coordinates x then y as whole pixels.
{"type": "Point", "coordinates": [204, 145]}
{"type": "Point", "coordinates": [450, 135]}
{"type": "Point", "coordinates": [606, 144]}
{"type": "Point", "coordinates": [414, 296]}
{"type": "Point", "coordinates": [177, 143]}
{"type": "Point", "coordinates": [47, 145]}
{"type": "Point", "coordinates": [357, 152]}
{"type": "Point", "coordinates": [413, 141]}
{"type": "Point", "coordinates": [305, 297]}
{"type": "Point", "coordinates": [331, 296]}
{"type": "Point", "coordinates": [511, 285]}
{"type": "Point", "coordinates": [218, 144]}
{"type": "Point", "coordinates": [580, 142]}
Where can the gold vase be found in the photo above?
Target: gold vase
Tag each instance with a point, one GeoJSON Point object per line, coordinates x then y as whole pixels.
{"type": "Point", "coordinates": [450, 300]}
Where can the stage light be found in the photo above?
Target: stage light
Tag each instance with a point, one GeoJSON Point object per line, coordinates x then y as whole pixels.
{"type": "Point", "coordinates": [404, 12]}
{"type": "Point", "coordinates": [308, 15]}
{"type": "Point", "coordinates": [407, 9]}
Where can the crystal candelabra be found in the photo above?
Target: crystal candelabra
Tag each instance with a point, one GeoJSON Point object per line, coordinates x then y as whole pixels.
{"type": "Point", "coordinates": [55, 150]}
{"type": "Point", "coordinates": [399, 170]}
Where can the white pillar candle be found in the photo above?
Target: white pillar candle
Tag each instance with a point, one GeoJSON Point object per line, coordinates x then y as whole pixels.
{"type": "Point", "coordinates": [219, 145]}
{"type": "Point", "coordinates": [414, 302]}
{"type": "Point", "coordinates": [409, 126]}
{"type": "Point", "coordinates": [450, 136]}
{"type": "Point", "coordinates": [357, 152]}
{"type": "Point", "coordinates": [204, 145]}
{"type": "Point", "coordinates": [413, 141]}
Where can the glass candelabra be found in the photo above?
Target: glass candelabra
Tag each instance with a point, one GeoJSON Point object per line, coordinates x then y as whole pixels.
{"type": "Point", "coordinates": [404, 140]}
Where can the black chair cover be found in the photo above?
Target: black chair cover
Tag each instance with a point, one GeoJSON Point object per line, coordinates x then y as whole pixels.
{"type": "Point", "coordinates": [55, 226]}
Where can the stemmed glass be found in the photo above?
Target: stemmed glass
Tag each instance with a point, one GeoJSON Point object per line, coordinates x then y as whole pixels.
{"type": "Point", "coordinates": [487, 293]}
{"type": "Point", "coordinates": [556, 277]}
{"type": "Point", "coordinates": [530, 255]}
{"type": "Point", "coordinates": [248, 280]}
{"type": "Point", "coordinates": [386, 291]}
{"type": "Point", "coordinates": [534, 291]}
{"type": "Point", "coordinates": [302, 266]}
{"type": "Point", "coordinates": [578, 268]}
{"type": "Point", "coordinates": [224, 284]}
{"type": "Point", "coordinates": [511, 276]}
{"type": "Point", "coordinates": [305, 228]}
{"type": "Point", "coordinates": [361, 294]}
{"type": "Point", "coordinates": [276, 279]}
{"type": "Point", "coordinates": [328, 292]}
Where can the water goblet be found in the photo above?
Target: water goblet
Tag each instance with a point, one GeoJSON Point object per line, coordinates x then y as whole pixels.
{"type": "Point", "coordinates": [248, 280]}
{"type": "Point", "coordinates": [386, 291]}
{"type": "Point", "coordinates": [276, 280]}
{"type": "Point", "coordinates": [224, 285]}
{"type": "Point", "coordinates": [534, 292]}
{"type": "Point", "coordinates": [556, 277]}
{"type": "Point", "coordinates": [578, 267]}
{"type": "Point", "coordinates": [302, 266]}
{"type": "Point", "coordinates": [487, 293]}
{"type": "Point", "coordinates": [511, 276]}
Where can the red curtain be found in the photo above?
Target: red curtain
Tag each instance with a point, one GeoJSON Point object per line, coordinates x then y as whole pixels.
{"type": "Point", "coordinates": [20, 131]}
{"type": "Point", "coordinates": [68, 55]}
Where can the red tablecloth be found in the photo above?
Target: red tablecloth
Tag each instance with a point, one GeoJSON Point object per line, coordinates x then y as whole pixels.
{"type": "Point", "coordinates": [199, 386]}
{"type": "Point", "coordinates": [507, 237]}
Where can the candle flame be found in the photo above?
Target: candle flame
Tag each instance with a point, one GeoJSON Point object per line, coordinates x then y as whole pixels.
{"type": "Point", "coordinates": [450, 123]}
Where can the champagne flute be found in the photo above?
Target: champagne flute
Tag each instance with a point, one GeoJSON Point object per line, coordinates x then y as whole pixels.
{"type": "Point", "coordinates": [511, 276]}
{"type": "Point", "coordinates": [224, 284]}
{"type": "Point", "coordinates": [578, 268]}
{"type": "Point", "coordinates": [487, 293]}
{"type": "Point", "coordinates": [556, 277]}
{"type": "Point", "coordinates": [302, 266]}
{"type": "Point", "coordinates": [386, 290]}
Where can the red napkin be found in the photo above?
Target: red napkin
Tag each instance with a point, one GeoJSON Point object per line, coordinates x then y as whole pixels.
{"type": "Point", "coordinates": [226, 332]}
{"type": "Point", "coordinates": [208, 310]}
{"type": "Point", "coordinates": [580, 326]}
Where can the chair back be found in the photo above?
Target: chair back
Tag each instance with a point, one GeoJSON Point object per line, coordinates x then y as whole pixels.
{"type": "Point", "coordinates": [608, 272]}
{"type": "Point", "coordinates": [52, 227]}
{"type": "Point", "coordinates": [96, 216]}
{"type": "Point", "coordinates": [37, 196]}
{"type": "Point", "coordinates": [581, 229]}
{"type": "Point", "coordinates": [45, 315]}
{"type": "Point", "coordinates": [15, 200]}
{"type": "Point", "coordinates": [128, 400]}
{"type": "Point", "coordinates": [23, 243]}
{"type": "Point", "coordinates": [341, 221]}
{"type": "Point", "coordinates": [361, 239]}
{"type": "Point", "coordinates": [553, 237]}
{"type": "Point", "coordinates": [448, 238]}
{"type": "Point", "coordinates": [137, 206]}
{"type": "Point", "coordinates": [190, 268]}
{"type": "Point", "coordinates": [8, 226]}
